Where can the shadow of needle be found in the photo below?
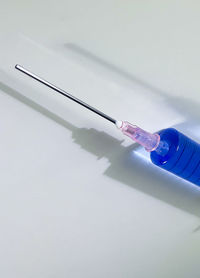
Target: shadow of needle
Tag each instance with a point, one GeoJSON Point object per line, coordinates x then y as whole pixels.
{"type": "Point", "coordinates": [187, 107]}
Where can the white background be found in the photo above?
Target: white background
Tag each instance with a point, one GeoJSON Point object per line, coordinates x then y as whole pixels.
{"type": "Point", "coordinates": [76, 200]}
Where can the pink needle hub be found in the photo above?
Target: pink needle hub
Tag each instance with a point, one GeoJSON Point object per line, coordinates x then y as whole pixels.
{"type": "Point", "coordinates": [148, 140]}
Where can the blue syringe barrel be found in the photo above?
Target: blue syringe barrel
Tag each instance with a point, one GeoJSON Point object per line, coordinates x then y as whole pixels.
{"type": "Point", "coordinates": [182, 157]}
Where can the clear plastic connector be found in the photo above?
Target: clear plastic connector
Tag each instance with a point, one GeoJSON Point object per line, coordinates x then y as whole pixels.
{"type": "Point", "coordinates": [148, 140]}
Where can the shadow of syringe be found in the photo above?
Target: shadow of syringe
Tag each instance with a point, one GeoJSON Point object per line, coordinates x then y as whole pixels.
{"type": "Point", "coordinates": [127, 165]}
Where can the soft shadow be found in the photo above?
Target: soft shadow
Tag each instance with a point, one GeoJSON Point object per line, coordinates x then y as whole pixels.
{"type": "Point", "coordinates": [89, 56]}
{"type": "Point", "coordinates": [128, 165]}
{"type": "Point", "coordinates": [190, 109]}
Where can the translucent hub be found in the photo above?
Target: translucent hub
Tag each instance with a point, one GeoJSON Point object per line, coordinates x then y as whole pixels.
{"type": "Point", "coordinates": [148, 140]}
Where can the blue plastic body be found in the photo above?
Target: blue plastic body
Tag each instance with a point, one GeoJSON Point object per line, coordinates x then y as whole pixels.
{"type": "Point", "coordinates": [183, 157]}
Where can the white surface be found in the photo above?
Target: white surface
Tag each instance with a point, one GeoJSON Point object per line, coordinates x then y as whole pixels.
{"type": "Point", "coordinates": [75, 200]}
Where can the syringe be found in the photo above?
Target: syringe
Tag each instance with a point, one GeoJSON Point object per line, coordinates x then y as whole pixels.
{"type": "Point", "coordinates": [169, 149]}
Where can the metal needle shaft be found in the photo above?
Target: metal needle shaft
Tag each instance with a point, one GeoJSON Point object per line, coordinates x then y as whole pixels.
{"type": "Point", "coordinates": [64, 93]}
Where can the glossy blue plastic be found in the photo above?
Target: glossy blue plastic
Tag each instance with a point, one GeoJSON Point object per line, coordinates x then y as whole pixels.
{"type": "Point", "coordinates": [182, 158]}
